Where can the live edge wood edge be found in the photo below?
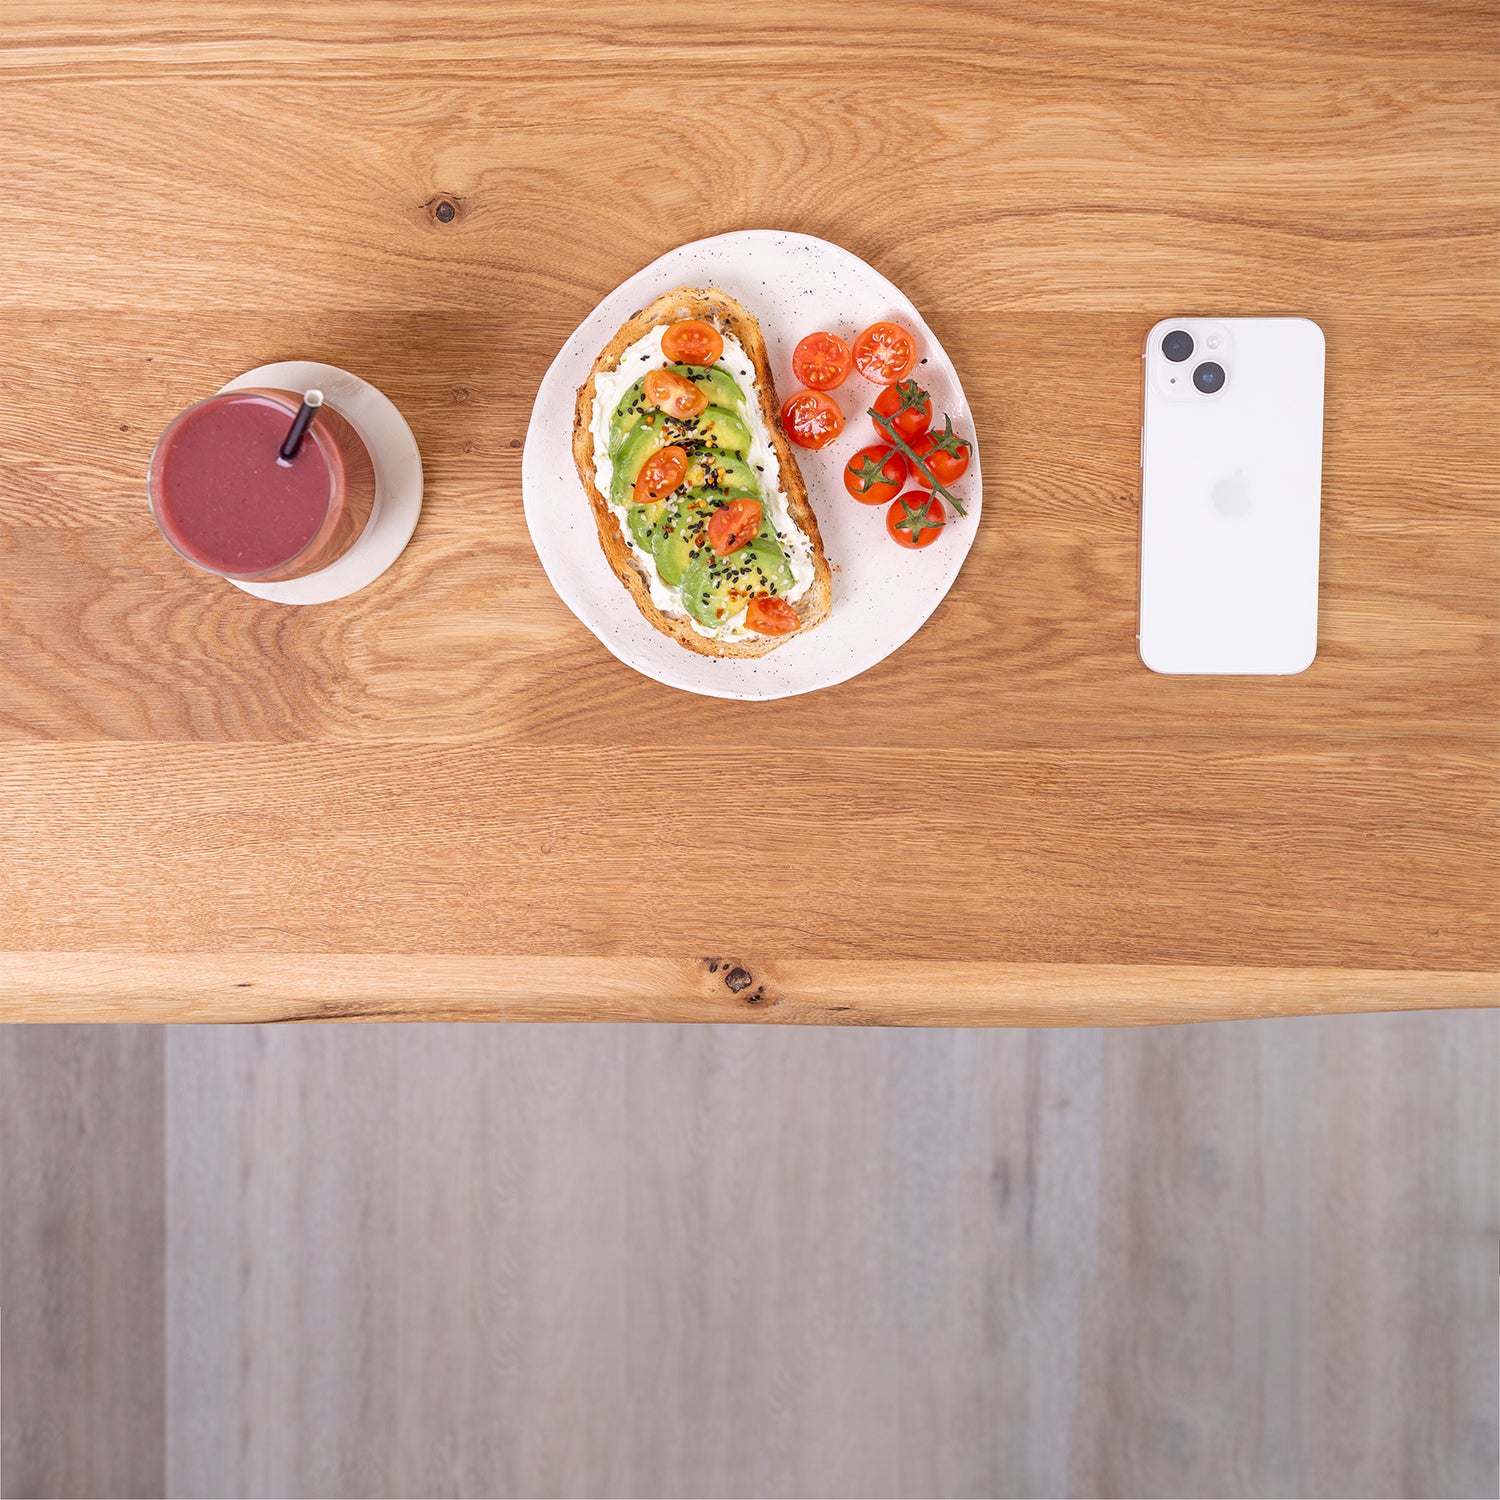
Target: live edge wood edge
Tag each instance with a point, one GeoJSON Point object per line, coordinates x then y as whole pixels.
{"type": "Point", "coordinates": [219, 987]}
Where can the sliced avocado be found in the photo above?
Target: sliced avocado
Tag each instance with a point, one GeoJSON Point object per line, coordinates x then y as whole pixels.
{"type": "Point", "coordinates": [649, 435]}
{"type": "Point", "coordinates": [715, 439]}
{"type": "Point", "coordinates": [718, 385]}
{"type": "Point", "coordinates": [711, 591]}
{"type": "Point", "coordinates": [644, 523]}
{"type": "Point", "coordinates": [715, 589]}
{"type": "Point", "coordinates": [627, 415]}
{"type": "Point", "coordinates": [672, 536]}
{"type": "Point", "coordinates": [721, 388]}
{"type": "Point", "coordinates": [711, 497]}
{"type": "Point", "coordinates": [719, 428]}
{"type": "Point", "coordinates": [764, 568]}
{"type": "Point", "coordinates": [720, 471]}
{"type": "Point", "coordinates": [716, 499]}
{"type": "Point", "coordinates": [673, 553]}
{"type": "Point", "coordinates": [682, 537]}
{"type": "Point", "coordinates": [675, 530]}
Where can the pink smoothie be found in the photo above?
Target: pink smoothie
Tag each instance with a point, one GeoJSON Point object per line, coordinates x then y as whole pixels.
{"type": "Point", "coordinates": [226, 502]}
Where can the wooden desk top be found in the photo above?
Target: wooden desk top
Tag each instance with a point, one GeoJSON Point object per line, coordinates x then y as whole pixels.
{"type": "Point", "coordinates": [442, 798]}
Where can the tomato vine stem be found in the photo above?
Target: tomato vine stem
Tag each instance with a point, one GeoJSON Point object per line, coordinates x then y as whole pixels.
{"type": "Point", "coordinates": [887, 426]}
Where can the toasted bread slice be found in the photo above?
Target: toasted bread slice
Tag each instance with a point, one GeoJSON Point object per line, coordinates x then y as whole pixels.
{"type": "Point", "coordinates": [720, 309]}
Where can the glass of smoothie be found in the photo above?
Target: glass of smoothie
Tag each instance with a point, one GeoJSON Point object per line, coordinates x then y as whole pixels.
{"type": "Point", "coordinates": [227, 499]}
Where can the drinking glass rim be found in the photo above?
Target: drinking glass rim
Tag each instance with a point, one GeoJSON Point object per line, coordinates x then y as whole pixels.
{"type": "Point", "coordinates": [288, 401]}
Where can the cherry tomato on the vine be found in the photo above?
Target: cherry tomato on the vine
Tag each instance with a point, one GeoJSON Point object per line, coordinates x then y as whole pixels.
{"type": "Point", "coordinates": [907, 407]}
{"type": "Point", "coordinates": [875, 475]}
{"type": "Point", "coordinates": [915, 519]}
{"type": "Point", "coordinates": [945, 454]}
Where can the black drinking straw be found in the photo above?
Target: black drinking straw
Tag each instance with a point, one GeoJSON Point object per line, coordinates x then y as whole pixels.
{"type": "Point", "coordinates": [311, 401]}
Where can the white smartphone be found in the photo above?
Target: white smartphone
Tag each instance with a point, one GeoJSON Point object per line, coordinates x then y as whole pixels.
{"type": "Point", "coordinates": [1231, 495]}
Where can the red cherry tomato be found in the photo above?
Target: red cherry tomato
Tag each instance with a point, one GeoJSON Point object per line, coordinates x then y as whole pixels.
{"type": "Point", "coordinates": [812, 419]}
{"type": "Point", "coordinates": [732, 527]}
{"type": "Point", "coordinates": [915, 519]}
{"type": "Point", "coordinates": [661, 474]}
{"type": "Point", "coordinates": [945, 453]}
{"type": "Point", "coordinates": [768, 615]}
{"type": "Point", "coordinates": [822, 361]}
{"type": "Point", "coordinates": [874, 476]}
{"type": "Point", "coordinates": [674, 394]}
{"type": "Point", "coordinates": [692, 342]}
{"type": "Point", "coordinates": [884, 353]}
{"type": "Point", "coordinates": [907, 407]}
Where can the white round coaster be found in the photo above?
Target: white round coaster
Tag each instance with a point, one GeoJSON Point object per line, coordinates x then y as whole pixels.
{"type": "Point", "coordinates": [398, 479]}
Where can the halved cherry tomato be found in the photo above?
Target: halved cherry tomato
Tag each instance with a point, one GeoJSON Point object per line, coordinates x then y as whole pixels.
{"type": "Point", "coordinates": [768, 615]}
{"type": "Point", "coordinates": [674, 394]}
{"type": "Point", "coordinates": [812, 419]}
{"type": "Point", "coordinates": [661, 474]}
{"type": "Point", "coordinates": [945, 453]}
{"type": "Point", "coordinates": [915, 519]}
{"type": "Point", "coordinates": [733, 526]}
{"type": "Point", "coordinates": [907, 407]}
{"type": "Point", "coordinates": [875, 475]}
{"type": "Point", "coordinates": [884, 353]}
{"type": "Point", "coordinates": [692, 342]}
{"type": "Point", "coordinates": [822, 361]}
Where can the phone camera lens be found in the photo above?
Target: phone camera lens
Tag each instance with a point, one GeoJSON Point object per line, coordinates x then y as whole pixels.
{"type": "Point", "coordinates": [1209, 377]}
{"type": "Point", "coordinates": [1177, 345]}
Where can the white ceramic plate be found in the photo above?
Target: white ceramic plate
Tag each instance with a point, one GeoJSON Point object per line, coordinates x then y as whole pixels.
{"type": "Point", "coordinates": [882, 593]}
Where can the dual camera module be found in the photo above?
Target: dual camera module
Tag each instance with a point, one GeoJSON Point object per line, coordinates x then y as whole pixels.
{"type": "Point", "coordinates": [1207, 377]}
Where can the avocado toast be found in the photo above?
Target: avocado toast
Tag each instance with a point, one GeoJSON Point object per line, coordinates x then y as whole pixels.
{"type": "Point", "coordinates": [722, 552]}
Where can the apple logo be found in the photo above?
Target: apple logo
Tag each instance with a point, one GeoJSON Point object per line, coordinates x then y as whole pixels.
{"type": "Point", "coordinates": [1232, 496]}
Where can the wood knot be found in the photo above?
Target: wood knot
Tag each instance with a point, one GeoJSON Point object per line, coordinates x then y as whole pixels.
{"type": "Point", "coordinates": [738, 980]}
{"type": "Point", "coordinates": [442, 208]}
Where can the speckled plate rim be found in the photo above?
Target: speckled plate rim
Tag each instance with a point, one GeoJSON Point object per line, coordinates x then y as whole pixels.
{"type": "Point", "coordinates": [562, 527]}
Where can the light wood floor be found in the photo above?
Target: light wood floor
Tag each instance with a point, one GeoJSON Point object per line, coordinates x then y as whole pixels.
{"type": "Point", "coordinates": [1246, 1259]}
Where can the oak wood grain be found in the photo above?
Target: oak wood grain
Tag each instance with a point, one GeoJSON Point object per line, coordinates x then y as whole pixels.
{"type": "Point", "coordinates": [911, 992]}
{"type": "Point", "coordinates": [416, 770]}
{"type": "Point", "coordinates": [1442, 39]}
